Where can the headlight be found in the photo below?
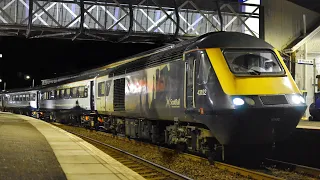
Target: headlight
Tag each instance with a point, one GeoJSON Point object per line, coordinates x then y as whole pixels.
{"type": "Point", "coordinates": [249, 101]}
{"type": "Point", "coordinates": [238, 101]}
{"type": "Point", "coordinates": [297, 99]}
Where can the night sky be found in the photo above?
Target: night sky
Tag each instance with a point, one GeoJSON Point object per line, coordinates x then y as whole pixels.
{"type": "Point", "coordinates": [47, 58]}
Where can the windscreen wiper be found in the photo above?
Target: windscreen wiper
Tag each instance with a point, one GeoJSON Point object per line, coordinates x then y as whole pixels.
{"type": "Point", "coordinates": [254, 72]}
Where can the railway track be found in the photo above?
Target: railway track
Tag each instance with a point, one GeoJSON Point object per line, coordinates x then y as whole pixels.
{"type": "Point", "coordinates": [145, 168]}
{"type": "Point", "coordinates": [153, 171]}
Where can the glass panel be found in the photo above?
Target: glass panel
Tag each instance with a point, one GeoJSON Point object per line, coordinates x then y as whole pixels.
{"type": "Point", "coordinates": [74, 92]}
{"type": "Point", "coordinates": [33, 97]}
{"type": "Point", "coordinates": [253, 62]}
{"type": "Point", "coordinates": [61, 93]}
{"type": "Point", "coordinates": [101, 89]}
{"type": "Point", "coordinates": [108, 87]}
{"type": "Point", "coordinates": [67, 93]}
{"type": "Point", "coordinates": [81, 91]}
{"type": "Point", "coordinates": [205, 71]}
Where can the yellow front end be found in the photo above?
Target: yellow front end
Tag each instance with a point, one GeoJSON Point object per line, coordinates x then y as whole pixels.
{"type": "Point", "coordinates": [251, 106]}
{"type": "Point", "coordinates": [250, 85]}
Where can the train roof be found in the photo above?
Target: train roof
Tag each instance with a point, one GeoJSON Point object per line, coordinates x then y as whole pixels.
{"type": "Point", "coordinates": [162, 54]}
{"type": "Point", "coordinates": [18, 90]}
{"type": "Point", "coordinates": [224, 39]}
{"type": "Point", "coordinates": [210, 40]}
{"type": "Point", "coordinates": [165, 54]}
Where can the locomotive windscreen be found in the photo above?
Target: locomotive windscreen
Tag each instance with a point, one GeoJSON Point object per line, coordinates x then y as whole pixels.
{"type": "Point", "coordinates": [255, 62]}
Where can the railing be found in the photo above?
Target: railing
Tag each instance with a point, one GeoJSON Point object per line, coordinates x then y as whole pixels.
{"type": "Point", "coordinates": [104, 19]}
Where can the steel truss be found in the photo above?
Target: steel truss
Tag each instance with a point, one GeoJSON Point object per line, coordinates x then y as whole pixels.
{"type": "Point", "coordinates": [112, 20]}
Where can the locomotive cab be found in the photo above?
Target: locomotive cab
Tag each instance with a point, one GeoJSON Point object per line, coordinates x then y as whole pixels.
{"type": "Point", "coordinates": [241, 89]}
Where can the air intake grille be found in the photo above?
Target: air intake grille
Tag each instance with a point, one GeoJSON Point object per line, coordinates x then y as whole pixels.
{"type": "Point", "coordinates": [119, 95]}
{"type": "Point", "coordinates": [274, 100]}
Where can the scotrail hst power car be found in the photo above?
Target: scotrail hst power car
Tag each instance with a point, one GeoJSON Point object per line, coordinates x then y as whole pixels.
{"type": "Point", "coordinates": [224, 88]}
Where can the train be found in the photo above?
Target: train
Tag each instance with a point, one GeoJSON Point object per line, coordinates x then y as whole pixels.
{"type": "Point", "coordinates": [217, 89]}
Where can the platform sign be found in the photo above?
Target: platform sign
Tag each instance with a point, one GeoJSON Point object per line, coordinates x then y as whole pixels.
{"type": "Point", "coordinates": [304, 61]}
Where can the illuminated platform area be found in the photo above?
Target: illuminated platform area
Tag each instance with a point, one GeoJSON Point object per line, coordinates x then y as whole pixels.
{"type": "Point", "coordinates": [33, 149]}
{"type": "Point", "coordinates": [309, 125]}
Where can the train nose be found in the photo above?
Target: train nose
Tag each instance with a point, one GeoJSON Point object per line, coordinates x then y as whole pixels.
{"type": "Point", "coordinates": [256, 125]}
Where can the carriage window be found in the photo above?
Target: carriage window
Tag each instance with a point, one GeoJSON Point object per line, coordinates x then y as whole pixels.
{"type": "Point", "coordinates": [254, 62]}
{"type": "Point", "coordinates": [81, 91]}
{"type": "Point", "coordinates": [28, 97]}
{"type": "Point", "coordinates": [33, 97]}
{"type": "Point", "coordinates": [101, 89]}
{"type": "Point", "coordinates": [58, 94]}
{"type": "Point", "coordinates": [52, 95]}
{"type": "Point", "coordinates": [74, 92]}
{"type": "Point", "coordinates": [61, 93]}
{"type": "Point", "coordinates": [67, 93]}
{"type": "Point", "coordinates": [85, 92]}
{"type": "Point", "coordinates": [108, 86]}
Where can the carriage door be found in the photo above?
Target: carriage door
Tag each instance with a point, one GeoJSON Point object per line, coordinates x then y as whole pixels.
{"type": "Point", "coordinates": [92, 96]}
{"type": "Point", "coordinates": [190, 60]}
{"type": "Point", "coordinates": [101, 100]}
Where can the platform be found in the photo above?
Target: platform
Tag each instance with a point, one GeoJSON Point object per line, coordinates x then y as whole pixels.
{"type": "Point", "coordinates": [34, 149]}
{"type": "Point", "coordinates": [309, 125]}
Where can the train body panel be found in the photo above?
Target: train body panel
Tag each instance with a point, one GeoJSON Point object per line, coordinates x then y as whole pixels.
{"type": "Point", "coordinates": [22, 102]}
{"type": "Point", "coordinates": [71, 96]}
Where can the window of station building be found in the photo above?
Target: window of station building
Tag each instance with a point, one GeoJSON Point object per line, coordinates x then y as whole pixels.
{"type": "Point", "coordinates": [101, 89]}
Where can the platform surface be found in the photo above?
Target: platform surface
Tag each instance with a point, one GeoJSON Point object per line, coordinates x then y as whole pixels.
{"type": "Point", "coordinates": [25, 152]}
{"type": "Point", "coordinates": [77, 158]}
{"type": "Point", "coordinates": [308, 125]}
